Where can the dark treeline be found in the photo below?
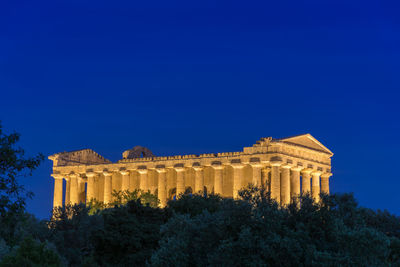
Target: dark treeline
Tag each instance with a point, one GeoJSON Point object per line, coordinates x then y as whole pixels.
{"type": "Point", "coordinates": [206, 230]}
{"type": "Point", "coordinates": [195, 230]}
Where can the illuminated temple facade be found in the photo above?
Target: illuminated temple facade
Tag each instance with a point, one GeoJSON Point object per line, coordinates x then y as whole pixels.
{"type": "Point", "coordinates": [286, 167]}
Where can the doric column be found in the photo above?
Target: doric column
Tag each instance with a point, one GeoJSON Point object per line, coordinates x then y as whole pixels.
{"type": "Point", "coordinates": [67, 190]}
{"type": "Point", "coordinates": [81, 189]}
{"type": "Point", "coordinates": [74, 193]}
{"type": "Point", "coordinates": [90, 193]}
{"type": "Point", "coordinates": [218, 182]}
{"type": "Point", "coordinates": [325, 182]}
{"type": "Point", "coordinates": [162, 186]}
{"type": "Point", "coordinates": [143, 179]}
{"type": "Point", "coordinates": [305, 181]}
{"type": "Point", "coordinates": [315, 185]}
{"type": "Point", "coordinates": [295, 182]}
{"type": "Point", "coordinates": [107, 187]}
{"type": "Point", "coordinates": [125, 180]}
{"type": "Point", "coordinates": [133, 179]}
{"type": "Point", "coordinates": [256, 166]}
{"type": "Point", "coordinates": [265, 181]}
{"type": "Point", "coordinates": [237, 178]}
{"type": "Point", "coordinates": [198, 179]}
{"type": "Point", "coordinates": [275, 183]}
{"type": "Point", "coordinates": [58, 190]}
{"type": "Point", "coordinates": [180, 181]}
{"type": "Point", "coordinates": [285, 184]}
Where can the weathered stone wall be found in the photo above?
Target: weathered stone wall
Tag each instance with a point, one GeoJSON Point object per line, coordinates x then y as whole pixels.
{"type": "Point", "coordinates": [76, 158]}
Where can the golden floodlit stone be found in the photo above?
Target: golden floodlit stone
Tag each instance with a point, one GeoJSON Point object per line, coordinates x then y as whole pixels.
{"type": "Point", "coordinates": [285, 167]}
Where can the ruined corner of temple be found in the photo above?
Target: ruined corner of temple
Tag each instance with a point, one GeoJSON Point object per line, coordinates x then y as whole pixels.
{"type": "Point", "coordinates": [286, 167]}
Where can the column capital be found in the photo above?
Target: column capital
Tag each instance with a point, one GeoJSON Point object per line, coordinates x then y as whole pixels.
{"type": "Point", "coordinates": [255, 164]}
{"type": "Point", "coordinates": [160, 170]}
{"type": "Point", "coordinates": [307, 170]}
{"type": "Point", "coordinates": [286, 166]}
{"type": "Point", "coordinates": [179, 169]}
{"type": "Point", "coordinates": [236, 165]}
{"type": "Point", "coordinates": [73, 175]}
{"type": "Point", "coordinates": [276, 163]}
{"type": "Point", "coordinates": [142, 171]}
{"type": "Point", "coordinates": [123, 172]}
{"type": "Point", "coordinates": [316, 173]}
{"type": "Point", "coordinates": [326, 175]}
{"type": "Point", "coordinates": [90, 174]}
{"type": "Point", "coordinates": [217, 167]}
{"type": "Point", "coordinates": [297, 168]}
{"type": "Point", "coordinates": [57, 176]}
{"type": "Point", "coordinates": [198, 168]}
{"type": "Point", "coordinates": [107, 173]}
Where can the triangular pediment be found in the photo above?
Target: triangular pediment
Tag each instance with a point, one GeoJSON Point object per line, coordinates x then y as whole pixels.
{"type": "Point", "coordinates": [307, 140]}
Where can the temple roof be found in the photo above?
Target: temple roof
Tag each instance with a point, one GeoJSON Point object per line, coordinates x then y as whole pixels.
{"type": "Point", "coordinates": [306, 140]}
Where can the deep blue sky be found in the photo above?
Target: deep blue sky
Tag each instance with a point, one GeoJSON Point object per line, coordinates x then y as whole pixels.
{"type": "Point", "coordinates": [193, 77]}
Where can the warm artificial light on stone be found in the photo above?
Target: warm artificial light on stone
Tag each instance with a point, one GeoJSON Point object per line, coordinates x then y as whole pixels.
{"type": "Point", "coordinates": [285, 167]}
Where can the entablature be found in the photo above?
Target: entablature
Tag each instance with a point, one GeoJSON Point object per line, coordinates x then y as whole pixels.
{"type": "Point", "coordinates": [266, 149]}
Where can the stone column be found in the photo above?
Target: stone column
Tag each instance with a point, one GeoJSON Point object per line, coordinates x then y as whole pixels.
{"type": "Point", "coordinates": [133, 179]}
{"type": "Point", "coordinates": [162, 186]}
{"type": "Point", "coordinates": [325, 182]}
{"type": "Point", "coordinates": [90, 193]}
{"type": "Point", "coordinates": [143, 179]}
{"type": "Point", "coordinates": [218, 182]}
{"type": "Point", "coordinates": [58, 190]}
{"type": "Point", "coordinates": [256, 166]}
{"type": "Point", "coordinates": [125, 180]}
{"type": "Point", "coordinates": [315, 185]}
{"type": "Point", "coordinates": [180, 181]}
{"type": "Point", "coordinates": [295, 182]}
{"type": "Point", "coordinates": [275, 183]}
{"type": "Point", "coordinates": [74, 193]}
{"type": "Point", "coordinates": [198, 179]}
{"type": "Point", "coordinates": [265, 181]}
{"type": "Point", "coordinates": [305, 181]}
{"type": "Point", "coordinates": [237, 178]}
{"type": "Point", "coordinates": [285, 184]}
{"type": "Point", "coordinates": [96, 187]}
{"type": "Point", "coordinates": [67, 190]}
{"type": "Point", "coordinates": [107, 187]}
{"type": "Point", "coordinates": [81, 189]}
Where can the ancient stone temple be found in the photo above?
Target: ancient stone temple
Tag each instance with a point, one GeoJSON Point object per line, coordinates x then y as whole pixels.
{"type": "Point", "coordinates": [286, 167]}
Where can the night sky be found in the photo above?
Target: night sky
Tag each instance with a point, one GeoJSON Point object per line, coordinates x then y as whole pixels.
{"type": "Point", "coordinates": [200, 77]}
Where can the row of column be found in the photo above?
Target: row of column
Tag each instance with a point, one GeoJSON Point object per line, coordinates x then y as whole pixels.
{"type": "Point", "coordinates": [283, 182]}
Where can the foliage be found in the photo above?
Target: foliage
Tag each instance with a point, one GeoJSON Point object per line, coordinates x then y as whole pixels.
{"type": "Point", "coordinates": [255, 231]}
{"type": "Point", "coordinates": [129, 236]}
{"type": "Point", "coordinates": [17, 226]}
{"type": "Point", "coordinates": [70, 230]}
{"type": "Point", "coordinates": [120, 198]}
{"type": "Point", "coordinates": [12, 165]}
{"type": "Point", "coordinates": [104, 233]}
{"type": "Point", "coordinates": [195, 204]}
{"type": "Point", "coordinates": [32, 253]}
{"type": "Point", "coordinates": [209, 230]}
